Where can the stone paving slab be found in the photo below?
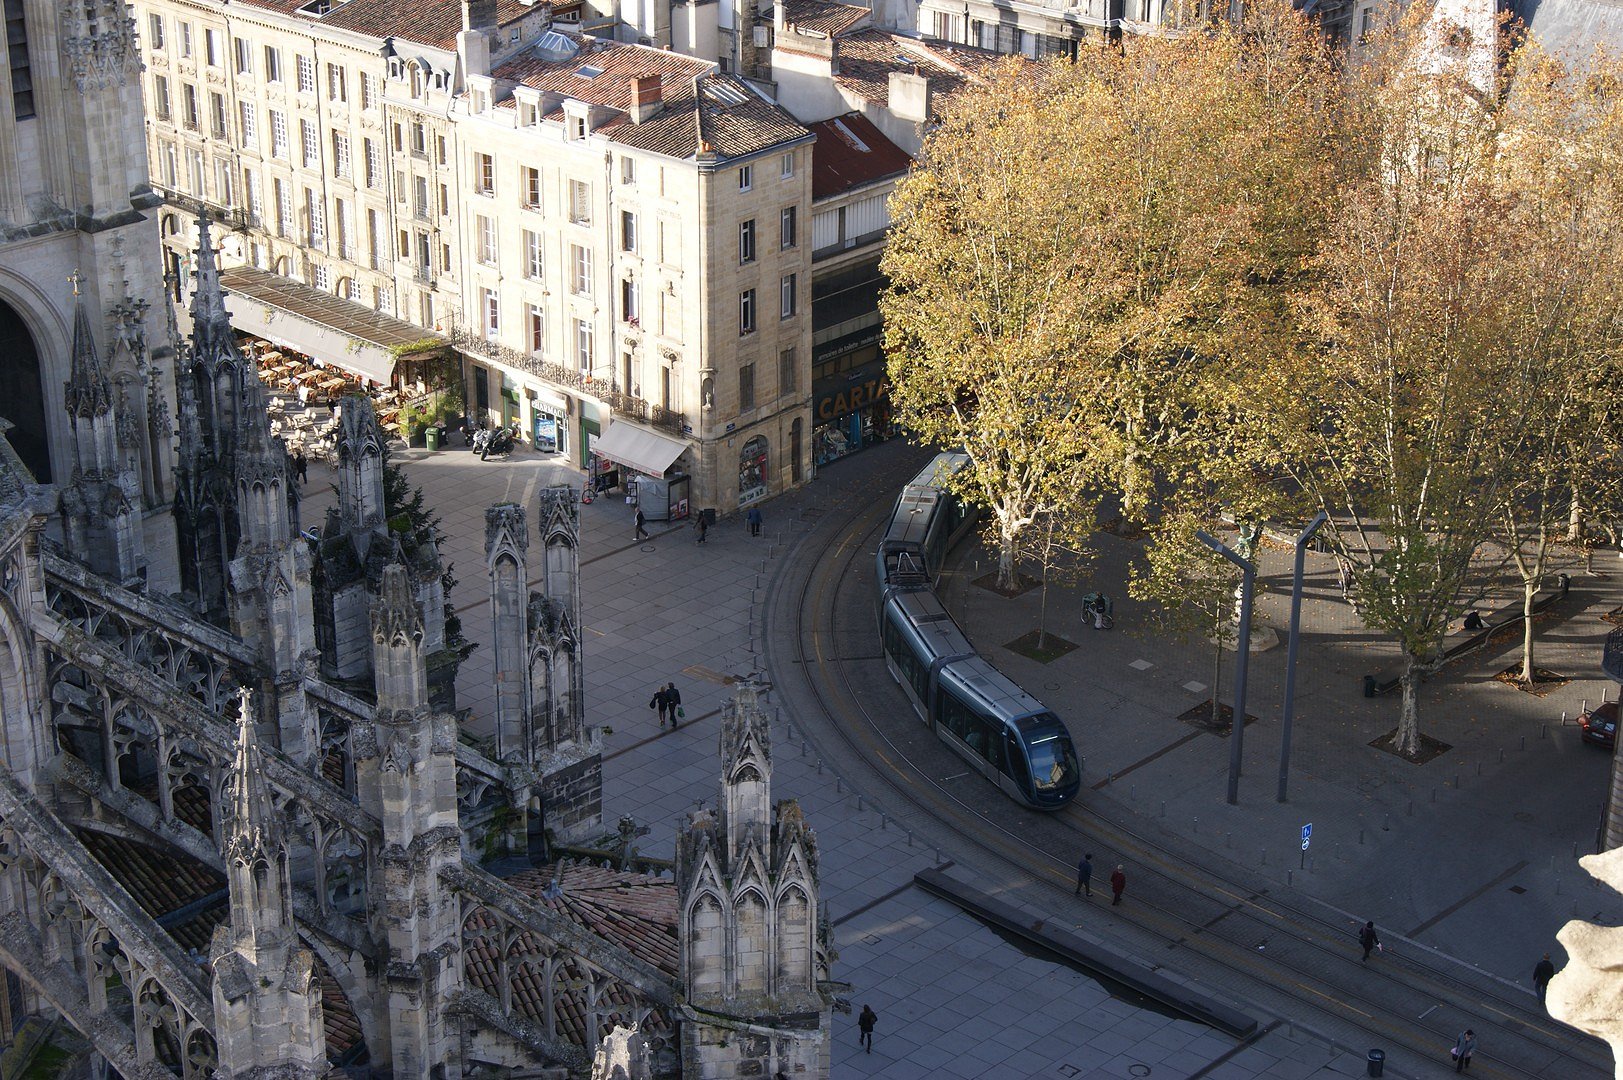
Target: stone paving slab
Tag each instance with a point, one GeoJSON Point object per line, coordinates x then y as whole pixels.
{"type": "Point", "coordinates": [955, 999]}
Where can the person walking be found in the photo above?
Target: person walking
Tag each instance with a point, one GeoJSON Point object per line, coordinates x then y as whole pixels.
{"type": "Point", "coordinates": [703, 527]}
{"type": "Point", "coordinates": [1369, 939]}
{"type": "Point", "coordinates": [662, 702]}
{"type": "Point", "coordinates": [754, 519]}
{"type": "Point", "coordinates": [1543, 972]}
{"type": "Point", "coordinates": [1463, 1049]}
{"type": "Point", "coordinates": [301, 466]}
{"type": "Point", "coordinates": [1118, 884]}
{"type": "Point", "coordinates": [865, 1024]}
{"type": "Point", "coordinates": [1084, 876]}
{"type": "Point", "coordinates": [673, 702]}
{"type": "Point", "coordinates": [642, 526]}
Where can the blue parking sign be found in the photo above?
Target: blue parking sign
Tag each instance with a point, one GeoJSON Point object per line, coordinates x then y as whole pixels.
{"type": "Point", "coordinates": [1307, 835]}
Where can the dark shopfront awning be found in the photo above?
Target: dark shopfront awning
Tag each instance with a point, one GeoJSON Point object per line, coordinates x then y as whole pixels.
{"type": "Point", "coordinates": [320, 325]}
{"type": "Point", "coordinates": [638, 448]}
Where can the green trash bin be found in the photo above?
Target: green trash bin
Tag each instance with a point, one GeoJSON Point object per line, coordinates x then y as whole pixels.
{"type": "Point", "coordinates": [432, 437]}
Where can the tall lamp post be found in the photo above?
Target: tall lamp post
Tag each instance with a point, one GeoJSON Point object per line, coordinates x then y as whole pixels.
{"type": "Point", "coordinates": [1243, 650]}
{"type": "Point", "coordinates": [1290, 650]}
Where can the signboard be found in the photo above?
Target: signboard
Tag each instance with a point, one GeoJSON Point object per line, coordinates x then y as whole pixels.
{"type": "Point", "coordinates": [1307, 835]}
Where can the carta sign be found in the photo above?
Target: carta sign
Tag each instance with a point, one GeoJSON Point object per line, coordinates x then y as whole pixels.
{"type": "Point", "coordinates": [854, 396]}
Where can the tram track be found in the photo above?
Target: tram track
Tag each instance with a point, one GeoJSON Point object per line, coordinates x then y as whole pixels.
{"type": "Point", "coordinates": [1266, 943]}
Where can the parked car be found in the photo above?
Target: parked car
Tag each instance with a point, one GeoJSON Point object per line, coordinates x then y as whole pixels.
{"type": "Point", "coordinates": [1599, 724]}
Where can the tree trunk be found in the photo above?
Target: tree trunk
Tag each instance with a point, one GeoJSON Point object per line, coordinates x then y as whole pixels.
{"type": "Point", "coordinates": [1007, 538]}
{"type": "Point", "coordinates": [1042, 613]}
{"type": "Point", "coordinates": [1575, 523]}
{"type": "Point", "coordinates": [1407, 740]}
{"type": "Point", "coordinates": [1217, 673]}
{"type": "Point", "coordinates": [1529, 592]}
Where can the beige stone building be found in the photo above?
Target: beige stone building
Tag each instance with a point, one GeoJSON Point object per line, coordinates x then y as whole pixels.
{"type": "Point", "coordinates": [612, 236]}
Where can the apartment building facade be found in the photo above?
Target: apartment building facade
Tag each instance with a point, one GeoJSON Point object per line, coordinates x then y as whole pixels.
{"type": "Point", "coordinates": [579, 240]}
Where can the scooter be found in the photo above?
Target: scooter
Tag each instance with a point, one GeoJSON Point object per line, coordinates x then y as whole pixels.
{"type": "Point", "coordinates": [500, 444]}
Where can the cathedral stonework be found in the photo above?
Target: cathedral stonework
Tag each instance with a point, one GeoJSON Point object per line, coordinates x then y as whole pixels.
{"type": "Point", "coordinates": [220, 857]}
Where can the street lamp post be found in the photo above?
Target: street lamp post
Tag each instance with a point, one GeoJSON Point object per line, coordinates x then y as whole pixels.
{"type": "Point", "coordinates": [1290, 651]}
{"type": "Point", "coordinates": [1243, 650]}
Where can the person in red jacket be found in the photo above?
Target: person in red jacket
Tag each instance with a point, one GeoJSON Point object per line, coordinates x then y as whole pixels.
{"type": "Point", "coordinates": [1118, 882]}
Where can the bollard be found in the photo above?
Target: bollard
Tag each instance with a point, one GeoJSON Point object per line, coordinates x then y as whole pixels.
{"type": "Point", "coordinates": [1265, 856]}
{"type": "Point", "coordinates": [1544, 729]}
{"type": "Point", "coordinates": [1479, 768]}
{"type": "Point", "coordinates": [1386, 822]}
{"type": "Point", "coordinates": [1360, 837]}
{"type": "Point", "coordinates": [860, 805]}
{"type": "Point", "coordinates": [1290, 875]}
{"type": "Point", "coordinates": [910, 838]}
{"type": "Point", "coordinates": [1501, 755]}
{"type": "Point", "coordinates": [1228, 840]}
{"type": "Point", "coordinates": [1433, 794]}
{"type": "Point", "coordinates": [1132, 792]}
{"type": "Point", "coordinates": [1575, 849]}
{"type": "Point", "coordinates": [1411, 808]}
{"type": "Point", "coordinates": [1197, 825]}
{"type": "Point", "coordinates": [1163, 808]}
{"type": "Point", "coordinates": [1524, 742]}
{"type": "Point", "coordinates": [819, 766]}
{"type": "Point", "coordinates": [938, 856]}
{"type": "Point", "coordinates": [884, 821]}
{"type": "Point", "coordinates": [804, 748]}
{"type": "Point", "coordinates": [839, 785]}
{"type": "Point", "coordinates": [1558, 884]}
{"type": "Point", "coordinates": [1456, 781]}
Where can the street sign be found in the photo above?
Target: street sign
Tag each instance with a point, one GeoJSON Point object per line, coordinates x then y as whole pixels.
{"type": "Point", "coordinates": [1307, 835]}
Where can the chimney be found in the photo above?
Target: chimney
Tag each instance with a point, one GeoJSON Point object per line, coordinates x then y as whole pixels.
{"type": "Point", "coordinates": [647, 97]}
{"type": "Point", "coordinates": [473, 43]}
{"type": "Point", "coordinates": [910, 96]}
{"type": "Point", "coordinates": [478, 14]}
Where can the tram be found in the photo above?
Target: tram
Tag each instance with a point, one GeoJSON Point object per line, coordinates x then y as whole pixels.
{"type": "Point", "coordinates": [927, 521]}
{"type": "Point", "coordinates": [1003, 732]}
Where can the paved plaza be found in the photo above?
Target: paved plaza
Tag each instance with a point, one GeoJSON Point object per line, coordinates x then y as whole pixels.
{"type": "Point", "coordinates": [956, 998]}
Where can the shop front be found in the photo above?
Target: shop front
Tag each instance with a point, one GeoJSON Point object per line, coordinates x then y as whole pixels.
{"type": "Point", "coordinates": [850, 399]}
{"type": "Point", "coordinates": [549, 421]}
{"type": "Point", "coordinates": [644, 464]}
{"type": "Point", "coordinates": [329, 330]}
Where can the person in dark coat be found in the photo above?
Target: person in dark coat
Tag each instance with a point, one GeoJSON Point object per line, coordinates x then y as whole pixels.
{"type": "Point", "coordinates": [1543, 972]}
{"type": "Point", "coordinates": [1118, 884]}
{"type": "Point", "coordinates": [662, 702]}
{"type": "Point", "coordinates": [642, 526]}
{"type": "Point", "coordinates": [703, 527]}
{"type": "Point", "coordinates": [673, 702]}
{"type": "Point", "coordinates": [1369, 939]}
{"type": "Point", "coordinates": [1084, 876]}
{"type": "Point", "coordinates": [1463, 1050]}
{"type": "Point", "coordinates": [301, 466]}
{"type": "Point", "coordinates": [865, 1023]}
{"type": "Point", "coordinates": [754, 519]}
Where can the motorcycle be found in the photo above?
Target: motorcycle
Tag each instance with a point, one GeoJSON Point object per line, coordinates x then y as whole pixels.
{"type": "Point", "coordinates": [500, 443]}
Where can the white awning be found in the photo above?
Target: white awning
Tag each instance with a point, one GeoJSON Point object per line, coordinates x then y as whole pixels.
{"type": "Point", "coordinates": [638, 448]}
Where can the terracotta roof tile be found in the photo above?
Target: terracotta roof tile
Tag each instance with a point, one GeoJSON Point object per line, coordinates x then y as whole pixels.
{"type": "Point", "coordinates": [851, 152]}
{"type": "Point", "coordinates": [868, 56]}
{"type": "Point", "coordinates": [823, 17]}
{"type": "Point", "coordinates": [736, 120]}
{"type": "Point", "coordinates": [160, 881]}
{"type": "Point", "coordinates": [434, 23]}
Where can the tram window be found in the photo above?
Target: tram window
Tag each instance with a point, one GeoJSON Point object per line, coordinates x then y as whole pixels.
{"type": "Point", "coordinates": [965, 723]}
{"type": "Point", "coordinates": [1052, 762]}
{"type": "Point", "coordinates": [1016, 766]}
{"type": "Point", "coordinates": [902, 656]}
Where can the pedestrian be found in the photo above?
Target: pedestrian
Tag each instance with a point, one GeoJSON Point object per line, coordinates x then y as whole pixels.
{"type": "Point", "coordinates": [1369, 939]}
{"type": "Point", "coordinates": [662, 702]}
{"type": "Point", "coordinates": [301, 465]}
{"type": "Point", "coordinates": [754, 519]}
{"type": "Point", "coordinates": [865, 1023]}
{"type": "Point", "coordinates": [1543, 972]}
{"type": "Point", "coordinates": [673, 702]}
{"type": "Point", "coordinates": [703, 527]}
{"type": "Point", "coordinates": [1463, 1049]}
{"type": "Point", "coordinates": [642, 526]}
{"type": "Point", "coordinates": [1118, 883]}
{"type": "Point", "coordinates": [1084, 875]}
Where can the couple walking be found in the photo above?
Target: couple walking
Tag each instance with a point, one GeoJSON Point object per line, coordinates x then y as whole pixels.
{"type": "Point", "coordinates": [668, 700]}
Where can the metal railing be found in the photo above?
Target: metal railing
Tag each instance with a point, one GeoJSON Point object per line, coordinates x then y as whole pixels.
{"type": "Point", "coordinates": [627, 405]}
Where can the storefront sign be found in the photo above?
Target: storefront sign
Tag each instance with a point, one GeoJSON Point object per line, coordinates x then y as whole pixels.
{"type": "Point", "coordinates": [868, 387]}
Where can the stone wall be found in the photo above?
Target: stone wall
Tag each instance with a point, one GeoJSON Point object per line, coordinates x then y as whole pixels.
{"type": "Point", "coordinates": [794, 1046]}
{"type": "Point", "coordinates": [572, 798]}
